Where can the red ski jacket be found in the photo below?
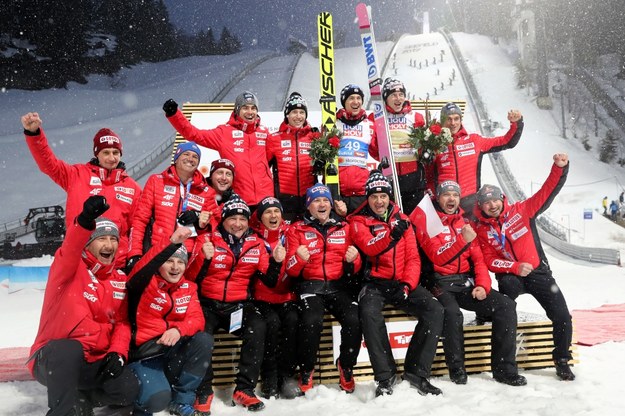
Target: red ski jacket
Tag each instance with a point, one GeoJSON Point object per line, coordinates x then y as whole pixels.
{"type": "Point", "coordinates": [80, 181]}
{"type": "Point", "coordinates": [449, 251]}
{"type": "Point", "coordinates": [327, 250]}
{"type": "Point", "coordinates": [282, 292]}
{"type": "Point", "coordinates": [287, 152]}
{"type": "Point", "coordinates": [512, 238]}
{"type": "Point", "coordinates": [386, 258]}
{"type": "Point", "coordinates": [244, 144]}
{"type": "Point", "coordinates": [85, 301]}
{"type": "Point", "coordinates": [358, 134]}
{"type": "Point", "coordinates": [156, 305]}
{"type": "Point", "coordinates": [162, 201]}
{"type": "Point", "coordinates": [462, 160]}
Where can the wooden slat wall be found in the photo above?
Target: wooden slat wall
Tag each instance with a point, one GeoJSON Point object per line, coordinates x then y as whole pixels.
{"type": "Point", "coordinates": [534, 346]}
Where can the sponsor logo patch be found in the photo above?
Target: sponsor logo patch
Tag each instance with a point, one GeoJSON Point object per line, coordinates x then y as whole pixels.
{"type": "Point", "coordinates": [169, 189]}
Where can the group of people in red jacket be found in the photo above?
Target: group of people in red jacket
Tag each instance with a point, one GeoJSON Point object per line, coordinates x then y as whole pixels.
{"type": "Point", "coordinates": [145, 278]}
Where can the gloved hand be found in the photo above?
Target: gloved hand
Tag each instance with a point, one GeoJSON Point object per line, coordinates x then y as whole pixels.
{"type": "Point", "coordinates": [318, 167]}
{"type": "Point", "coordinates": [401, 293]}
{"type": "Point", "coordinates": [112, 366]}
{"type": "Point", "coordinates": [170, 107]}
{"type": "Point", "coordinates": [92, 208]}
{"type": "Point", "coordinates": [399, 229]}
{"type": "Point", "coordinates": [188, 217]}
{"type": "Point", "coordinates": [131, 263]}
{"type": "Point", "coordinates": [226, 194]}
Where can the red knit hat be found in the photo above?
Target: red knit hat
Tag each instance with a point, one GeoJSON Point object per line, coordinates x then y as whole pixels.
{"type": "Point", "coordinates": [221, 163]}
{"type": "Point", "coordinates": [105, 139]}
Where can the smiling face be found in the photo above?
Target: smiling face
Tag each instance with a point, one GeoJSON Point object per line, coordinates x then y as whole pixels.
{"type": "Point", "coordinates": [172, 270]}
{"type": "Point", "coordinates": [453, 123]}
{"type": "Point", "coordinates": [236, 225]}
{"type": "Point", "coordinates": [248, 113]}
{"type": "Point", "coordinates": [104, 248]}
{"type": "Point", "coordinates": [353, 104]}
{"type": "Point", "coordinates": [379, 202]}
{"type": "Point", "coordinates": [396, 101]}
{"type": "Point", "coordinates": [109, 158]}
{"type": "Point", "coordinates": [271, 218]}
{"type": "Point", "coordinates": [221, 179]}
{"type": "Point", "coordinates": [187, 163]}
{"type": "Point", "coordinates": [320, 209]}
{"type": "Point", "coordinates": [296, 117]}
{"type": "Point", "coordinates": [449, 201]}
{"type": "Point", "coordinates": [492, 208]}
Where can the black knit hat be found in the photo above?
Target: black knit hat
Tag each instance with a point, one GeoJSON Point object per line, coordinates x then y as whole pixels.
{"type": "Point", "coordinates": [392, 85]}
{"type": "Point", "coordinates": [294, 101]}
{"type": "Point", "coordinates": [489, 193]}
{"type": "Point", "coordinates": [268, 202]}
{"type": "Point", "coordinates": [351, 89]}
{"type": "Point", "coordinates": [377, 182]}
{"type": "Point", "coordinates": [245, 98]}
{"type": "Point", "coordinates": [235, 206]}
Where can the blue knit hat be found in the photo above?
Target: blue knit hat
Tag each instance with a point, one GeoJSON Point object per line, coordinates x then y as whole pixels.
{"type": "Point", "coordinates": [185, 147]}
{"type": "Point", "coordinates": [316, 191]}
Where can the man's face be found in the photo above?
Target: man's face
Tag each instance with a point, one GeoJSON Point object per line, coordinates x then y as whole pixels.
{"type": "Point", "coordinates": [396, 101]}
{"type": "Point", "coordinates": [187, 162]}
{"type": "Point", "coordinates": [296, 117]}
{"type": "Point", "coordinates": [104, 248]}
{"type": "Point", "coordinates": [172, 270]}
{"type": "Point", "coordinates": [271, 218]}
{"type": "Point", "coordinates": [353, 104]}
{"type": "Point", "coordinates": [236, 225]}
{"type": "Point", "coordinates": [449, 201]}
{"type": "Point", "coordinates": [109, 158]}
{"type": "Point", "coordinates": [320, 209]}
{"type": "Point", "coordinates": [492, 208]}
{"type": "Point", "coordinates": [221, 180]}
{"type": "Point", "coordinates": [248, 113]}
{"type": "Point", "coordinates": [453, 123]}
{"type": "Point", "coordinates": [379, 202]}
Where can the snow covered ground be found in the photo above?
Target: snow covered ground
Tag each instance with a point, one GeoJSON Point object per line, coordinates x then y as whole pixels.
{"type": "Point", "coordinates": [132, 108]}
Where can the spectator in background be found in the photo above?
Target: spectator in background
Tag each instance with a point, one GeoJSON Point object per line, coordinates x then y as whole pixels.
{"type": "Point", "coordinates": [613, 210]}
{"type": "Point", "coordinates": [621, 198]}
{"type": "Point", "coordinates": [462, 160]}
{"type": "Point", "coordinates": [81, 347]}
{"type": "Point", "coordinates": [242, 140]}
{"type": "Point", "coordinates": [514, 253]}
{"type": "Point", "coordinates": [288, 155]}
{"type": "Point", "coordinates": [104, 175]}
{"type": "Point", "coordinates": [604, 204]}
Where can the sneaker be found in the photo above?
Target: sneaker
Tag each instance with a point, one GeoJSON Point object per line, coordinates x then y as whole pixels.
{"type": "Point", "coordinates": [180, 409]}
{"type": "Point", "coordinates": [385, 387]}
{"type": "Point", "coordinates": [511, 379]}
{"type": "Point", "coordinates": [458, 375]}
{"type": "Point", "coordinates": [202, 404]}
{"type": "Point", "coordinates": [269, 390]}
{"type": "Point", "coordinates": [422, 384]}
{"type": "Point", "coordinates": [305, 381]}
{"type": "Point", "coordinates": [346, 378]}
{"type": "Point", "coordinates": [247, 399]}
{"type": "Point", "coordinates": [563, 370]}
{"type": "Point", "coordinates": [290, 388]}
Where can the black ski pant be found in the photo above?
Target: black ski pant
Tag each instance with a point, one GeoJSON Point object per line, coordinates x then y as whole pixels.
{"type": "Point", "coordinates": [252, 332]}
{"type": "Point", "coordinates": [503, 334]}
{"type": "Point", "coordinates": [345, 310]}
{"type": "Point", "coordinates": [280, 358]}
{"type": "Point", "coordinates": [73, 382]}
{"type": "Point", "coordinates": [422, 347]}
{"type": "Point", "coordinates": [541, 284]}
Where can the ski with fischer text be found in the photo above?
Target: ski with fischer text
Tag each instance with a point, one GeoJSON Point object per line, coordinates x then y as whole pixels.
{"type": "Point", "coordinates": [327, 92]}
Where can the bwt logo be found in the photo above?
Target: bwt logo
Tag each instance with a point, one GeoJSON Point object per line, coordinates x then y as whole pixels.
{"type": "Point", "coordinates": [366, 42]}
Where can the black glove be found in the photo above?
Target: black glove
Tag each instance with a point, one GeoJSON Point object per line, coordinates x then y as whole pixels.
{"type": "Point", "coordinates": [131, 263]}
{"type": "Point", "coordinates": [92, 208]}
{"type": "Point", "coordinates": [318, 167]}
{"type": "Point", "coordinates": [112, 366]}
{"type": "Point", "coordinates": [170, 107]}
{"type": "Point", "coordinates": [226, 194]}
{"type": "Point", "coordinates": [188, 217]}
{"type": "Point", "coordinates": [399, 229]}
{"type": "Point", "coordinates": [400, 293]}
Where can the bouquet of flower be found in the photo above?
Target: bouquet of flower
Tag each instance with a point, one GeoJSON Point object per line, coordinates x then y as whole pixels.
{"type": "Point", "coordinates": [429, 140]}
{"type": "Point", "coordinates": [324, 148]}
